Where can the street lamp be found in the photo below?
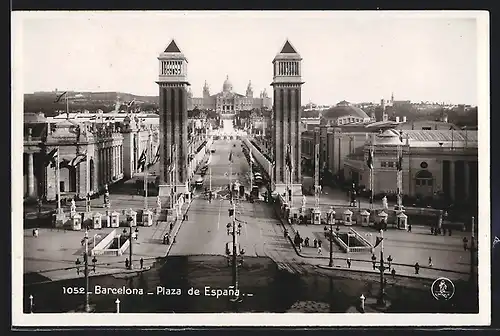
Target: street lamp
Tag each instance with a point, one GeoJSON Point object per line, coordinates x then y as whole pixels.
{"type": "Point", "coordinates": [234, 232]}
{"type": "Point", "coordinates": [331, 220]}
{"type": "Point", "coordinates": [130, 221]}
{"type": "Point", "coordinates": [380, 300]}
{"type": "Point", "coordinates": [472, 251]}
{"type": "Point", "coordinates": [86, 269]}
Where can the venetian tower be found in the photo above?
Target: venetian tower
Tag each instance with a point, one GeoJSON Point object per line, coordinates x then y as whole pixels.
{"type": "Point", "coordinates": [173, 85]}
{"type": "Point", "coordinates": [287, 83]}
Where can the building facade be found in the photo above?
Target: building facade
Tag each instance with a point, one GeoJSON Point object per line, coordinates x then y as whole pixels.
{"type": "Point", "coordinates": [227, 102]}
{"type": "Point", "coordinates": [438, 161]}
{"type": "Point", "coordinates": [91, 154]}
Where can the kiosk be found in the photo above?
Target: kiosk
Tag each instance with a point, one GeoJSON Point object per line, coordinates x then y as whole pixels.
{"type": "Point", "coordinates": [96, 220]}
{"type": "Point", "coordinates": [114, 219]}
{"type": "Point", "coordinates": [316, 216]}
{"type": "Point", "coordinates": [402, 221]}
{"type": "Point", "coordinates": [347, 217]}
{"type": "Point", "coordinates": [76, 222]}
{"type": "Point", "coordinates": [365, 218]}
{"type": "Point", "coordinates": [133, 214]}
{"type": "Point", "coordinates": [382, 218]}
{"type": "Point", "coordinates": [147, 218]}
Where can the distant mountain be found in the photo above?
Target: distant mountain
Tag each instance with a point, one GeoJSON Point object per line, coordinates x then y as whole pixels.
{"type": "Point", "coordinates": [106, 101]}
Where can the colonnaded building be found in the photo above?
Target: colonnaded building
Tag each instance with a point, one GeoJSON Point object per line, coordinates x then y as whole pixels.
{"type": "Point", "coordinates": [437, 157]}
{"type": "Point", "coordinates": [227, 102]}
{"type": "Point", "coordinates": [95, 150]}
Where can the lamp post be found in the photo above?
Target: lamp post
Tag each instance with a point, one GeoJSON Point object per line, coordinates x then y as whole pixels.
{"type": "Point", "coordinates": [380, 300]}
{"type": "Point", "coordinates": [234, 232]}
{"type": "Point", "coordinates": [130, 221]}
{"type": "Point", "coordinates": [331, 220]}
{"type": "Point", "coordinates": [31, 304]}
{"type": "Point", "coordinates": [86, 270]}
{"type": "Point", "coordinates": [472, 251]}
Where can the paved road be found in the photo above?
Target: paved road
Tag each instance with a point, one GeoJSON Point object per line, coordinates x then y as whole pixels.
{"type": "Point", "coordinates": [205, 232]}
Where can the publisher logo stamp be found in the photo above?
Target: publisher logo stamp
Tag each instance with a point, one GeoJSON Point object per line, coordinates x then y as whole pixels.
{"type": "Point", "coordinates": [443, 289]}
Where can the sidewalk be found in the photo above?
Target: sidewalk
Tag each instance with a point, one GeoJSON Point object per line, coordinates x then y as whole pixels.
{"type": "Point", "coordinates": [54, 252]}
{"type": "Point", "coordinates": [449, 258]}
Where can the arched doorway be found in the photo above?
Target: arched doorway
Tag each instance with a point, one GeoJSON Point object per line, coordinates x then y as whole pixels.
{"type": "Point", "coordinates": [67, 180]}
{"type": "Point", "coordinates": [92, 174]}
{"type": "Point", "coordinates": [424, 183]}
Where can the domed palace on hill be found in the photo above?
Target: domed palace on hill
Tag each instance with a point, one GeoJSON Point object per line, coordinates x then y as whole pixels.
{"type": "Point", "coordinates": [343, 113]}
{"type": "Point", "coordinates": [227, 102]}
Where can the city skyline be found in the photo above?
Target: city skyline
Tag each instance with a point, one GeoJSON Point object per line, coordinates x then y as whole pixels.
{"type": "Point", "coordinates": [425, 58]}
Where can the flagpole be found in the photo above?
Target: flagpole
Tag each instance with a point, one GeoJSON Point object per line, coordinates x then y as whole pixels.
{"type": "Point", "coordinates": [67, 106]}
{"type": "Point", "coordinates": [316, 175]}
{"type": "Point", "coordinates": [399, 175]}
{"type": "Point", "coordinates": [146, 174]}
{"type": "Point", "coordinates": [451, 138]}
{"type": "Point", "coordinates": [291, 179]}
{"type": "Point", "coordinates": [251, 171]}
{"type": "Point", "coordinates": [372, 154]}
{"type": "Point", "coordinates": [58, 187]}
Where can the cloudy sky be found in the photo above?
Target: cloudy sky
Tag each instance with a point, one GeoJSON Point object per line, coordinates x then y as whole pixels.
{"type": "Point", "coordinates": [353, 56]}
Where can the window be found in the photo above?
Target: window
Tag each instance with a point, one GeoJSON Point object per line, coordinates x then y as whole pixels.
{"type": "Point", "coordinates": [390, 164]}
{"type": "Point", "coordinates": [383, 164]}
{"type": "Point", "coordinates": [426, 128]}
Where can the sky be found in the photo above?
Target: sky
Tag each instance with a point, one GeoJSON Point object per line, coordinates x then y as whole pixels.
{"type": "Point", "coordinates": [353, 56]}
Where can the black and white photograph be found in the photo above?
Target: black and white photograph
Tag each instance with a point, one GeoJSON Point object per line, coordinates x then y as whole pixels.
{"type": "Point", "coordinates": [250, 168]}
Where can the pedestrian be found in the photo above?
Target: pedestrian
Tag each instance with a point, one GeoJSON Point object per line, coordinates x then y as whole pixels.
{"type": "Point", "coordinates": [319, 243]}
{"type": "Point", "coordinates": [94, 261]}
{"type": "Point", "coordinates": [389, 260]}
{"type": "Point", "coordinates": [36, 232]}
{"type": "Point", "coordinates": [393, 272]}
{"type": "Point", "coordinates": [409, 227]}
{"type": "Point", "coordinates": [430, 262]}
{"type": "Point", "coordinates": [432, 230]}
{"type": "Point", "coordinates": [126, 262]}
{"type": "Point", "coordinates": [465, 241]}
{"type": "Point", "coordinates": [348, 262]}
{"type": "Point", "coordinates": [319, 249]}
{"type": "Point", "coordinates": [141, 262]}
{"type": "Point", "coordinates": [164, 239]}
{"type": "Point", "coordinates": [33, 232]}
{"type": "Point", "coordinates": [78, 263]}
{"type": "Point", "coordinates": [315, 243]}
{"type": "Point", "coordinates": [171, 226]}
{"type": "Point", "coordinates": [307, 242]}
{"type": "Point", "coordinates": [374, 264]}
{"type": "Point", "coordinates": [417, 267]}
{"type": "Point", "coordinates": [449, 232]}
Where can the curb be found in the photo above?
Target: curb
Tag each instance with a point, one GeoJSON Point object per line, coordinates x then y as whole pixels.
{"type": "Point", "coordinates": [374, 272]}
{"type": "Point", "coordinates": [360, 260]}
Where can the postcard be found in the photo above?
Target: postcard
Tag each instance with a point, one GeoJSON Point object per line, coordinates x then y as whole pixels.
{"type": "Point", "coordinates": [250, 168]}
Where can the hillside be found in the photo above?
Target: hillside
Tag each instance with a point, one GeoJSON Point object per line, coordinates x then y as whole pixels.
{"type": "Point", "coordinates": [106, 101]}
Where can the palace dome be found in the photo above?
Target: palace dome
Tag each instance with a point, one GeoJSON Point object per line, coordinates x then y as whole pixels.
{"type": "Point", "coordinates": [344, 109]}
{"type": "Point", "coordinates": [227, 86]}
{"type": "Point", "coordinates": [389, 137]}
